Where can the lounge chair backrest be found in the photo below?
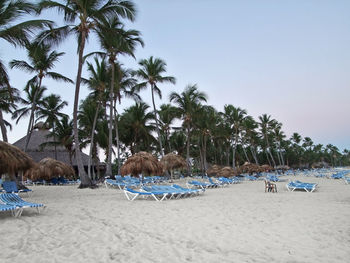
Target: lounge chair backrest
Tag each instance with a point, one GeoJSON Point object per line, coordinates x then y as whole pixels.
{"type": "Point", "coordinates": [10, 186]}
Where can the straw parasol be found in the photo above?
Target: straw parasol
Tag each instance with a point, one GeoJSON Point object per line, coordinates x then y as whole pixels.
{"type": "Point", "coordinates": [213, 170]}
{"type": "Point", "coordinates": [13, 160]}
{"type": "Point", "coordinates": [249, 168]}
{"type": "Point", "coordinates": [173, 161]}
{"type": "Point", "coordinates": [142, 163]}
{"type": "Point", "coordinates": [226, 171]}
{"type": "Point", "coordinates": [49, 168]}
{"type": "Point", "coordinates": [266, 168]}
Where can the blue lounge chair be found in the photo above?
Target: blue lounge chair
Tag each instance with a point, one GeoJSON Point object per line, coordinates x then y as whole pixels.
{"type": "Point", "coordinates": [15, 211]}
{"type": "Point", "coordinates": [197, 184]}
{"type": "Point", "coordinates": [347, 179]}
{"type": "Point", "coordinates": [11, 187]}
{"type": "Point", "coordinates": [297, 185]}
{"type": "Point", "coordinates": [15, 200]}
{"type": "Point", "coordinates": [132, 194]}
{"type": "Point", "coordinates": [191, 191]}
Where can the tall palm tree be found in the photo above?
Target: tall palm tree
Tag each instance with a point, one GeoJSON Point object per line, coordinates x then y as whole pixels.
{"type": "Point", "coordinates": [16, 34]}
{"type": "Point", "coordinates": [115, 41]}
{"type": "Point", "coordinates": [41, 61]}
{"type": "Point", "coordinates": [234, 116]}
{"type": "Point", "coordinates": [265, 129]}
{"type": "Point", "coordinates": [51, 111]}
{"type": "Point", "coordinates": [251, 135]}
{"type": "Point", "coordinates": [188, 104]}
{"type": "Point", "coordinates": [150, 73]}
{"type": "Point", "coordinates": [88, 13]}
{"type": "Point", "coordinates": [97, 83]}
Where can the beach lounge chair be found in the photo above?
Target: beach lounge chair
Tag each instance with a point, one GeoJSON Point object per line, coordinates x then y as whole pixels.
{"type": "Point", "coordinates": [132, 194]}
{"type": "Point", "coordinates": [11, 187]}
{"type": "Point", "coordinates": [15, 211]}
{"type": "Point", "coordinates": [297, 185]}
{"type": "Point", "coordinates": [191, 191]}
{"type": "Point", "coordinates": [197, 184]}
{"type": "Point", "coordinates": [347, 180]}
{"type": "Point", "coordinates": [16, 200]}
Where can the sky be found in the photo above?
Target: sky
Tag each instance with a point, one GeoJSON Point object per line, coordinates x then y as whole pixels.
{"type": "Point", "coordinates": [288, 59]}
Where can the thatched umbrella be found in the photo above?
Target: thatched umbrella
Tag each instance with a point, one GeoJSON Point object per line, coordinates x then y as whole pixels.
{"type": "Point", "coordinates": [227, 171]}
{"type": "Point", "coordinates": [13, 160]}
{"type": "Point", "coordinates": [173, 161]}
{"type": "Point", "coordinates": [249, 168]}
{"type": "Point", "coordinates": [142, 163]}
{"type": "Point", "coordinates": [49, 168]}
{"type": "Point", "coordinates": [266, 168]}
{"type": "Point", "coordinates": [212, 171]}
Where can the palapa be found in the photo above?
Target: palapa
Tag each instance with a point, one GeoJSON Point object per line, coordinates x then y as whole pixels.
{"type": "Point", "coordinates": [266, 168]}
{"type": "Point", "coordinates": [249, 168]}
{"type": "Point", "coordinates": [226, 171]}
{"type": "Point", "coordinates": [142, 163]}
{"type": "Point", "coordinates": [13, 160]}
{"type": "Point", "coordinates": [49, 168]}
{"type": "Point", "coordinates": [212, 171]}
{"type": "Point", "coordinates": [173, 161]}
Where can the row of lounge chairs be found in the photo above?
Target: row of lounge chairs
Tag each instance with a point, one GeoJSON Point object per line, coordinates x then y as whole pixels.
{"type": "Point", "coordinates": [161, 192]}
{"type": "Point", "coordinates": [14, 203]}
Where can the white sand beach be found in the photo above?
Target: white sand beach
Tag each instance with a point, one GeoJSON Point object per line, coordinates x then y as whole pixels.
{"type": "Point", "coordinates": [240, 223]}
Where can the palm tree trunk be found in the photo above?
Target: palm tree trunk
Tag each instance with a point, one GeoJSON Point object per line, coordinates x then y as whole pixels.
{"type": "Point", "coordinates": [205, 154]}
{"type": "Point", "coordinates": [3, 128]}
{"type": "Point", "coordinates": [54, 139]}
{"type": "Point", "coordinates": [254, 154]}
{"type": "Point", "coordinates": [92, 137]}
{"type": "Point", "coordinates": [85, 180]}
{"type": "Point", "coordinates": [117, 136]}
{"type": "Point", "coordinates": [245, 154]}
{"type": "Point", "coordinates": [110, 128]}
{"type": "Point", "coordinates": [188, 150]}
{"type": "Point", "coordinates": [157, 124]}
{"type": "Point", "coordinates": [31, 119]}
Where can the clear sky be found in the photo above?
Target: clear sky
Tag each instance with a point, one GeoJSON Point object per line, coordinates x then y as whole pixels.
{"type": "Point", "coordinates": [289, 59]}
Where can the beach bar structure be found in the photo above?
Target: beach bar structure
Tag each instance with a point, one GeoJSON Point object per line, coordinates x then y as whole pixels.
{"type": "Point", "coordinates": [40, 146]}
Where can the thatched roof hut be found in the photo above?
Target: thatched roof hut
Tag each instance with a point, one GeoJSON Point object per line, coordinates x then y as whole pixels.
{"type": "Point", "coordinates": [39, 147]}
{"type": "Point", "coordinates": [49, 168]}
{"type": "Point", "coordinates": [13, 160]}
{"type": "Point", "coordinates": [142, 163]}
{"type": "Point", "coordinates": [173, 161]}
{"type": "Point", "coordinates": [226, 171]}
{"type": "Point", "coordinates": [212, 171]}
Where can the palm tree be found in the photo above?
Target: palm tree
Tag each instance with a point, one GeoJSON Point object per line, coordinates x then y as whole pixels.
{"type": "Point", "coordinates": [91, 124]}
{"type": "Point", "coordinates": [88, 14]}
{"type": "Point", "coordinates": [234, 116]}
{"type": "Point", "coordinates": [151, 74]}
{"type": "Point", "coordinates": [167, 115]}
{"type": "Point", "coordinates": [8, 98]}
{"type": "Point", "coordinates": [136, 126]}
{"type": "Point", "coordinates": [115, 40]}
{"type": "Point", "coordinates": [16, 34]}
{"type": "Point", "coordinates": [265, 129]}
{"type": "Point", "coordinates": [50, 110]}
{"type": "Point", "coordinates": [98, 83]}
{"type": "Point", "coordinates": [34, 98]}
{"type": "Point", "coordinates": [63, 134]}
{"type": "Point", "coordinates": [188, 104]}
{"type": "Point", "coordinates": [41, 61]}
{"type": "Point", "coordinates": [251, 136]}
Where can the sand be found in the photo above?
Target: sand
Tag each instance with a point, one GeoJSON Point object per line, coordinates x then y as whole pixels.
{"type": "Point", "coordinates": [240, 223]}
